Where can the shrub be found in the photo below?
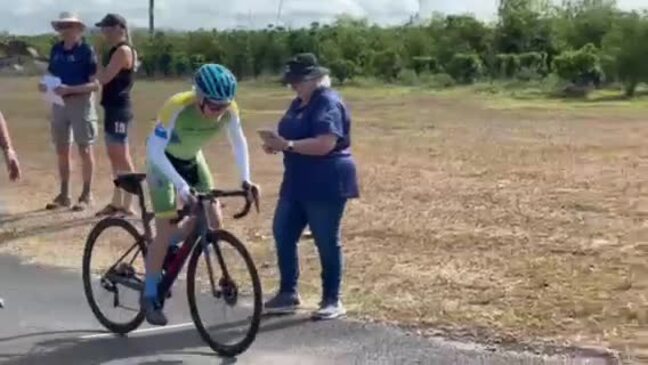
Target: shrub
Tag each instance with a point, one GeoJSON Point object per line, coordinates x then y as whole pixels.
{"type": "Point", "coordinates": [408, 77]}
{"type": "Point", "coordinates": [196, 60]}
{"type": "Point", "coordinates": [424, 64]}
{"type": "Point", "coordinates": [364, 81]}
{"type": "Point", "coordinates": [535, 62]}
{"type": "Point", "coordinates": [181, 64]}
{"type": "Point", "coordinates": [437, 81]}
{"type": "Point", "coordinates": [466, 68]}
{"type": "Point", "coordinates": [581, 67]}
{"type": "Point", "coordinates": [387, 64]}
{"type": "Point", "coordinates": [528, 74]}
{"type": "Point", "coordinates": [506, 65]}
{"type": "Point", "coordinates": [343, 70]}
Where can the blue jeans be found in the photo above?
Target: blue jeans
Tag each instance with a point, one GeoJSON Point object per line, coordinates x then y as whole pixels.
{"type": "Point", "coordinates": [323, 218]}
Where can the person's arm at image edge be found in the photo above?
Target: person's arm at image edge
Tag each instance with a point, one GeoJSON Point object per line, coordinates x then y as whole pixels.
{"type": "Point", "coordinates": [10, 156]}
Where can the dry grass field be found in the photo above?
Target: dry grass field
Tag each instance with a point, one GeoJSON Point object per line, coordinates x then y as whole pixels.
{"type": "Point", "coordinates": [485, 217]}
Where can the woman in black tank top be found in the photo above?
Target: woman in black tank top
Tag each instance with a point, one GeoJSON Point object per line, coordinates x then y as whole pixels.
{"type": "Point", "coordinates": [116, 75]}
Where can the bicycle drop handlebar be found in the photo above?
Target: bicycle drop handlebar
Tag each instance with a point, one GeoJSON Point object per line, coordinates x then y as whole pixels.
{"type": "Point", "coordinates": [251, 197]}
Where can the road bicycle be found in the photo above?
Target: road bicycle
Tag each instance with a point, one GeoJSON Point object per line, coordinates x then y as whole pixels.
{"type": "Point", "coordinates": [121, 274]}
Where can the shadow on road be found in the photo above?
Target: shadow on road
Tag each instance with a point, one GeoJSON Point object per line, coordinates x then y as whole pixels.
{"type": "Point", "coordinates": [76, 350]}
{"type": "Point", "coordinates": [49, 333]}
{"type": "Point", "coordinates": [15, 217]}
{"type": "Point", "coordinates": [50, 227]}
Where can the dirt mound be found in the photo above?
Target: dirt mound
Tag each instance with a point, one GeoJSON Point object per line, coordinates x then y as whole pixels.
{"type": "Point", "coordinates": [18, 56]}
{"type": "Point", "coordinates": [15, 47]}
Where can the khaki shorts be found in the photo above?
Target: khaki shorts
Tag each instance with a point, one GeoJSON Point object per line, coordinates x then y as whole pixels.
{"type": "Point", "coordinates": [77, 118]}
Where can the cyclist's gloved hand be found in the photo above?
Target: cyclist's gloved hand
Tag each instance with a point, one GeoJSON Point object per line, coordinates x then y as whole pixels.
{"type": "Point", "coordinates": [187, 195]}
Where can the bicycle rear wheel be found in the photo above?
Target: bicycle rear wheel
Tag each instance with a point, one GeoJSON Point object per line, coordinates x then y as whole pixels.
{"type": "Point", "coordinates": [222, 285]}
{"type": "Point", "coordinates": [113, 274]}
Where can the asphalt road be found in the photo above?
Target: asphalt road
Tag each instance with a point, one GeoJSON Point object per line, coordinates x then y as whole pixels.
{"type": "Point", "coordinates": [46, 320]}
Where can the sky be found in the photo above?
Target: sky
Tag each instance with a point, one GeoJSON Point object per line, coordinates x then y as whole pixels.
{"type": "Point", "coordinates": [34, 16]}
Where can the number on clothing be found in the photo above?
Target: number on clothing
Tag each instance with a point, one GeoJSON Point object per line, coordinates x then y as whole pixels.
{"type": "Point", "coordinates": [120, 127]}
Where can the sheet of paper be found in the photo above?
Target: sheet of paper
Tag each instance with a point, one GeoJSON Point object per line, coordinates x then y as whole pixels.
{"type": "Point", "coordinates": [51, 83]}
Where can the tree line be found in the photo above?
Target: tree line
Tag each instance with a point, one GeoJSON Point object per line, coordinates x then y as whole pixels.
{"type": "Point", "coordinates": [583, 42]}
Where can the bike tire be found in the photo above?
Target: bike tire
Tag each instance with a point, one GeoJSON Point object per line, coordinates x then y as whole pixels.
{"type": "Point", "coordinates": [118, 328]}
{"type": "Point", "coordinates": [226, 350]}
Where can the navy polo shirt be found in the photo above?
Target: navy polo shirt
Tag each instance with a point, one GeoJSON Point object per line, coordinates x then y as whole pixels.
{"type": "Point", "coordinates": [328, 177]}
{"type": "Point", "coordinates": [73, 66]}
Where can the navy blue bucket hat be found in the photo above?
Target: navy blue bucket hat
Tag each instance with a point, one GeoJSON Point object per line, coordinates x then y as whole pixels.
{"type": "Point", "coordinates": [302, 67]}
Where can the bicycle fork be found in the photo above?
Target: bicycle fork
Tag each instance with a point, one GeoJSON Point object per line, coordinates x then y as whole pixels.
{"type": "Point", "coordinates": [226, 286]}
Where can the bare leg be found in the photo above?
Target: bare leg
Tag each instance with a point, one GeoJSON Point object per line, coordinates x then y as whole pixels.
{"type": "Point", "coordinates": [63, 155]}
{"type": "Point", "coordinates": [87, 163]}
{"type": "Point", "coordinates": [121, 162]}
{"type": "Point", "coordinates": [63, 160]}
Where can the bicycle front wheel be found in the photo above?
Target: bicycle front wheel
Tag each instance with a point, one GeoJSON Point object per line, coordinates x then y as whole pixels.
{"type": "Point", "coordinates": [224, 294]}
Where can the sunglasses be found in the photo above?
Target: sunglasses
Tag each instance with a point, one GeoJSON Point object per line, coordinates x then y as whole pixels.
{"type": "Point", "coordinates": [215, 106]}
{"type": "Point", "coordinates": [64, 26]}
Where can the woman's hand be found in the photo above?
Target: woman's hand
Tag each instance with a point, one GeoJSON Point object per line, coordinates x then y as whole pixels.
{"type": "Point", "coordinates": [276, 143]}
{"type": "Point", "coordinates": [269, 150]}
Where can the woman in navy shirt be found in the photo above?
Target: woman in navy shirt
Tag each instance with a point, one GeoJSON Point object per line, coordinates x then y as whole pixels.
{"type": "Point", "coordinates": [319, 177]}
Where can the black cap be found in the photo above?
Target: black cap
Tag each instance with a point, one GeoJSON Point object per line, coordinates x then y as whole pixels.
{"type": "Point", "coordinates": [111, 20]}
{"type": "Point", "coordinates": [303, 66]}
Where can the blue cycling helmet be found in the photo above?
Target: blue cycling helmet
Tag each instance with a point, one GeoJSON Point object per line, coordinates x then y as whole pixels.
{"type": "Point", "coordinates": [215, 82]}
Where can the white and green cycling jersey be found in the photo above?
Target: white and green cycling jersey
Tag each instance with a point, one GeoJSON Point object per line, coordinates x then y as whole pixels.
{"type": "Point", "coordinates": [174, 150]}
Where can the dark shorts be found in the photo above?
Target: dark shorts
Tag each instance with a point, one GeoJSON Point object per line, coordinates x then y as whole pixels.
{"type": "Point", "coordinates": [117, 123]}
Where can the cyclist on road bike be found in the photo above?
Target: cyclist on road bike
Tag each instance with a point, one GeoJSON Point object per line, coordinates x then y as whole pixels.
{"type": "Point", "coordinates": [186, 122]}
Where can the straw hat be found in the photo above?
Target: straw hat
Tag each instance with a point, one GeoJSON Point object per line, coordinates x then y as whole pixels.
{"type": "Point", "coordinates": [68, 17]}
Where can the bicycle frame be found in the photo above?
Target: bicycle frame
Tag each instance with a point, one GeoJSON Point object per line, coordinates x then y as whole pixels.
{"type": "Point", "coordinates": [200, 234]}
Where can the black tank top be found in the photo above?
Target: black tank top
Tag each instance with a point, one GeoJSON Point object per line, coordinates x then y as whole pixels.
{"type": "Point", "coordinates": [116, 93]}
